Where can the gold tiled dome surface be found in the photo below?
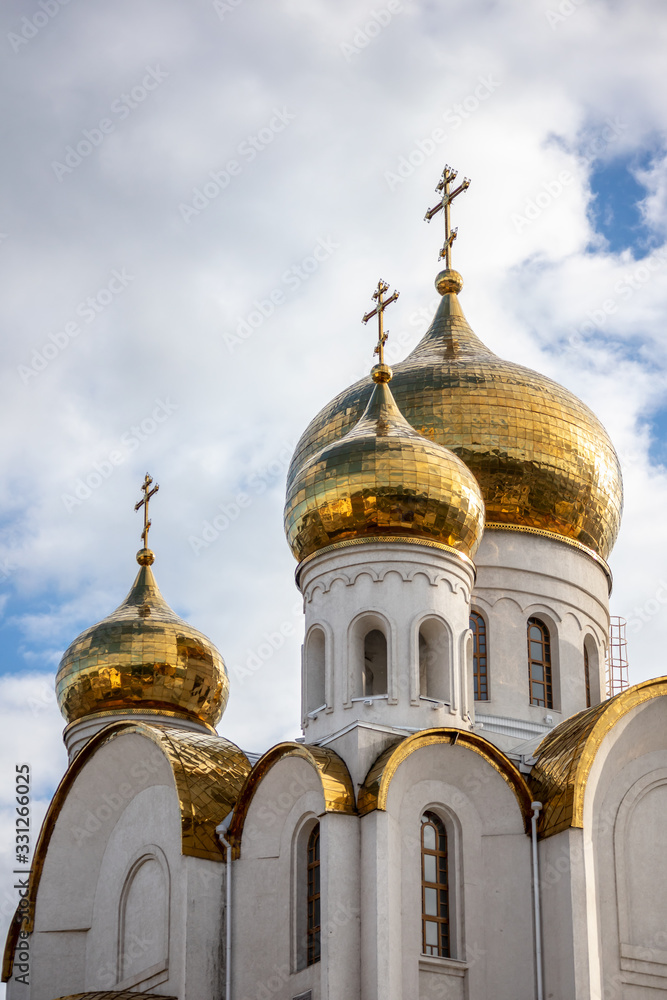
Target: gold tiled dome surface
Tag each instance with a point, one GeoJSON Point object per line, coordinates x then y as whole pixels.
{"type": "Point", "coordinates": [143, 656]}
{"type": "Point", "coordinates": [383, 478]}
{"type": "Point", "coordinates": [542, 458]}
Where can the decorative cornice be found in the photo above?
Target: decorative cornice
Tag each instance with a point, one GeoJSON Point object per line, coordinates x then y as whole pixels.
{"type": "Point", "coordinates": [384, 540]}
{"type": "Point", "coordinates": [572, 542]}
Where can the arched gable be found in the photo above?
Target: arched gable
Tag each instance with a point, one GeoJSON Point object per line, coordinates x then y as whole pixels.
{"type": "Point", "coordinates": [374, 791]}
{"type": "Point", "coordinates": [566, 756]}
{"type": "Point", "coordinates": [332, 771]}
{"type": "Point", "coordinates": [208, 773]}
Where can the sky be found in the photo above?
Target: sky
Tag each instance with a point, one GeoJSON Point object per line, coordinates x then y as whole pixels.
{"type": "Point", "coordinates": [198, 201]}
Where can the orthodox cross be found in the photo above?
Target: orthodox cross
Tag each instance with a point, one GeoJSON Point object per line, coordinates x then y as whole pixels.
{"type": "Point", "coordinates": [448, 196]}
{"type": "Point", "coordinates": [148, 493]}
{"type": "Point", "coordinates": [379, 312]}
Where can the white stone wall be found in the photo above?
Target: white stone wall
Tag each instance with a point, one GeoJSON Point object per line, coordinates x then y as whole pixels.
{"type": "Point", "coordinates": [118, 905]}
{"type": "Point", "coordinates": [490, 883]}
{"type": "Point", "coordinates": [519, 576]}
{"type": "Point", "coordinates": [395, 588]}
{"type": "Point", "coordinates": [267, 883]}
{"type": "Point", "coordinates": [625, 813]}
{"type": "Point", "coordinates": [371, 889]}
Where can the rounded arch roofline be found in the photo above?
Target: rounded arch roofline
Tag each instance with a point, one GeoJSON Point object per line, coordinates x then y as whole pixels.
{"type": "Point", "coordinates": [208, 773]}
{"type": "Point", "coordinates": [566, 756]}
{"type": "Point", "coordinates": [337, 787]}
{"type": "Point", "coordinates": [375, 789]}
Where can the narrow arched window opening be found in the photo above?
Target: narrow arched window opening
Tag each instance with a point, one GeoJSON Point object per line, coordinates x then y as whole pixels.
{"type": "Point", "coordinates": [315, 667]}
{"type": "Point", "coordinates": [435, 887]}
{"type": "Point", "coordinates": [434, 657]}
{"type": "Point", "coordinates": [313, 897]}
{"type": "Point", "coordinates": [480, 672]}
{"type": "Point", "coordinates": [539, 664]}
{"type": "Point", "coordinates": [587, 678]}
{"type": "Point", "coordinates": [375, 663]}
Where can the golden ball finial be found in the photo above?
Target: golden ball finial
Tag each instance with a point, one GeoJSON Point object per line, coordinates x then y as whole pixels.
{"type": "Point", "coordinates": [145, 557]}
{"type": "Point", "coordinates": [449, 281]}
{"type": "Point", "coordinates": [381, 373]}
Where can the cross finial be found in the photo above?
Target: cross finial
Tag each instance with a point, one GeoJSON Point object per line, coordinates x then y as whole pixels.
{"type": "Point", "coordinates": [447, 197]}
{"type": "Point", "coordinates": [379, 312]}
{"type": "Point", "coordinates": [148, 493]}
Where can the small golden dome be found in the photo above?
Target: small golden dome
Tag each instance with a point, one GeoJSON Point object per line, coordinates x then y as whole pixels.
{"type": "Point", "coordinates": [143, 657]}
{"type": "Point", "coordinates": [542, 458]}
{"type": "Point", "coordinates": [383, 478]}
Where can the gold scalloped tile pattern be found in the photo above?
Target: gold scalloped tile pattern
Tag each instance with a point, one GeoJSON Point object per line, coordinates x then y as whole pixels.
{"type": "Point", "coordinates": [143, 656]}
{"type": "Point", "coordinates": [541, 457]}
{"type": "Point", "coordinates": [383, 478]}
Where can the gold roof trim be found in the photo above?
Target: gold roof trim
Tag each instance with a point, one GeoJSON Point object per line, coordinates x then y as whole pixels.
{"type": "Point", "coordinates": [499, 526]}
{"type": "Point", "coordinates": [565, 757]}
{"type": "Point", "coordinates": [332, 771]}
{"type": "Point", "coordinates": [159, 713]}
{"type": "Point", "coordinates": [208, 771]}
{"type": "Point", "coordinates": [386, 540]}
{"type": "Point", "coordinates": [374, 791]}
{"type": "Point", "coordinates": [116, 995]}
{"type": "Point", "coordinates": [10, 945]}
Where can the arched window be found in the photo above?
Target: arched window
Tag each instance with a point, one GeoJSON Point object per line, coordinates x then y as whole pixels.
{"type": "Point", "coordinates": [315, 660]}
{"type": "Point", "coordinates": [479, 663]}
{"type": "Point", "coordinates": [375, 663]}
{"type": "Point", "coordinates": [587, 678]}
{"type": "Point", "coordinates": [313, 897]}
{"type": "Point", "coordinates": [539, 664]}
{"type": "Point", "coordinates": [434, 659]}
{"type": "Point", "coordinates": [435, 887]}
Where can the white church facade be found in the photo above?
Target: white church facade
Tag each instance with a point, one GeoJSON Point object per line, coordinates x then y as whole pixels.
{"type": "Point", "coordinates": [468, 814]}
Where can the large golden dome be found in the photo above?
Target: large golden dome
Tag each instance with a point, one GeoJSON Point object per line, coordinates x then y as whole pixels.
{"type": "Point", "coordinates": [383, 478]}
{"type": "Point", "coordinates": [542, 458]}
{"type": "Point", "coordinates": [143, 658]}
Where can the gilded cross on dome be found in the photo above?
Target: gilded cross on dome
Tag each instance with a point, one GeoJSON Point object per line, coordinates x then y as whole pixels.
{"type": "Point", "coordinates": [148, 493]}
{"type": "Point", "coordinates": [448, 196]}
{"type": "Point", "coordinates": [379, 312]}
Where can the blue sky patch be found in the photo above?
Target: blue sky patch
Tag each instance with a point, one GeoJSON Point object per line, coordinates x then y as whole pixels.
{"type": "Point", "coordinates": [615, 208]}
{"type": "Point", "coordinates": [658, 446]}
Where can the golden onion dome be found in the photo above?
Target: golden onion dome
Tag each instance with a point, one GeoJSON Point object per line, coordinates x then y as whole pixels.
{"type": "Point", "coordinates": [143, 658]}
{"type": "Point", "coordinates": [383, 478]}
{"type": "Point", "coordinates": [543, 460]}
